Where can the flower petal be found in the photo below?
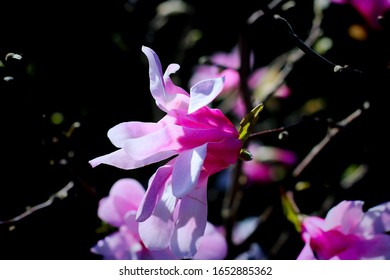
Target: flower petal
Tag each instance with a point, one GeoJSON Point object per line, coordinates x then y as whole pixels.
{"type": "Point", "coordinates": [306, 253]}
{"type": "Point", "coordinates": [156, 78]}
{"type": "Point", "coordinates": [191, 223]}
{"type": "Point", "coordinates": [155, 146]}
{"type": "Point", "coordinates": [121, 159]}
{"type": "Point", "coordinates": [125, 195]}
{"type": "Point", "coordinates": [377, 247]}
{"type": "Point", "coordinates": [187, 169]}
{"type": "Point", "coordinates": [346, 214]}
{"type": "Point", "coordinates": [120, 133]}
{"type": "Point", "coordinates": [221, 154]}
{"type": "Point", "coordinates": [376, 220]}
{"type": "Point", "coordinates": [203, 92]}
{"type": "Point", "coordinates": [213, 245]}
{"type": "Point", "coordinates": [156, 231]}
{"type": "Point", "coordinates": [157, 184]}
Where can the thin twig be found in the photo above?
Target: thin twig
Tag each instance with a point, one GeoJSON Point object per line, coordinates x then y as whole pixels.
{"type": "Point", "coordinates": [61, 194]}
{"type": "Point", "coordinates": [332, 132]}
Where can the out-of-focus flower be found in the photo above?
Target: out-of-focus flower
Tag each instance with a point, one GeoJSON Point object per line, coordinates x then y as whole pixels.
{"type": "Point", "coordinates": [253, 253]}
{"type": "Point", "coordinates": [227, 65]}
{"type": "Point", "coordinates": [119, 210]}
{"type": "Point", "coordinates": [369, 9]}
{"type": "Point", "coordinates": [269, 164]}
{"type": "Point", "coordinates": [348, 233]}
{"type": "Point", "coordinates": [201, 140]}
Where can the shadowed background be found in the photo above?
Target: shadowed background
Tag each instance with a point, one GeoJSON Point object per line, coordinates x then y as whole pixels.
{"type": "Point", "coordinates": [82, 71]}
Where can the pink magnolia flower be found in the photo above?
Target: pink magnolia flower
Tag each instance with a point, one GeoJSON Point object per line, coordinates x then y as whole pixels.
{"type": "Point", "coordinates": [119, 209]}
{"type": "Point", "coordinates": [348, 233]}
{"type": "Point", "coordinates": [199, 141]}
{"type": "Point", "coordinates": [369, 9]}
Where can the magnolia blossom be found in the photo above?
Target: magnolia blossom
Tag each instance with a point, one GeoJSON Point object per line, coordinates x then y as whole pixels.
{"type": "Point", "coordinates": [348, 233]}
{"type": "Point", "coordinates": [227, 65]}
{"type": "Point", "coordinates": [369, 9]}
{"type": "Point", "coordinates": [119, 209]}
{"type": "Point", "coordinates": [197, 140]}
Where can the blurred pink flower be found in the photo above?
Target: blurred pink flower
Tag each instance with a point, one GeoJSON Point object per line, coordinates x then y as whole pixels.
{"type": "Point", "coordinates": [119, 210]}
{"type": "Point", "coordinates": [229, 61]}
{"type": "Point", "coordinates": [269, 164]}
{"type": "Point", "coordinates": [348, 233]}
{"type": "Point", "coordinates": [173, 212]}
{"type": "Point", "coordinates": [369, 9]}
{"type": "Point", "coordinates": [227, 65]}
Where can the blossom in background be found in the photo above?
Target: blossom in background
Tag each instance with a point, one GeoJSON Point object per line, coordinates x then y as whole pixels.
{"type": "Point", "coordinates": [227, 65]}
{"type": "Point", "coordinates": [269, 164]}
{"type": "Point", "coordinates": [348, 233]}
{"type": "Point", "coordinates": [119, 210]}
{"type": "Point", "coordinates": [198, 140]}
{"type": "Point", "coordinates": [369, 9]}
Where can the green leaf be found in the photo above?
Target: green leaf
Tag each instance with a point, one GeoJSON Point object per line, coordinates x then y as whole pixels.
{"type": "Point", "coordinates": [248, 122]}
{"type": "Point", "coordinates": [290, 212]}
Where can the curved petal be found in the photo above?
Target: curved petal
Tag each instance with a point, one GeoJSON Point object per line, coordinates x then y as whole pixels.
{"type": "Point", "coordinates": [121, 159]}
{"type": "Point", "coordinates": [346, 215]}
{"type": "Point", "coordinates": [157, 87]}
{"type": "Point", "coordinates": [187, 169]}
{"type": "Point", "coordinates": [191, 223]}
{"type": "Point", "coordinates": [155, 146]}
{"type": "Point", "coordinates": [376, 220]}
{"type": "Point", "coordinates": [120, 133]}
{"type": "Point", "coordinates": [157, 184]}
{"type": "Point", "coordinates": [202, 93]}
{"type": "Point", "coordinates": [156, 231]}
{"type": "Point", "coordinates": [125, 195]}
{"type": "Point", "coordinates": [118, 158]}
{"type": "Point", "coordinates": [213, 245]}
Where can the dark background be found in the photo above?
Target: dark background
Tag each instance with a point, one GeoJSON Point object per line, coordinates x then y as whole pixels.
{"type": "Point", "coordinates": [83, 59]}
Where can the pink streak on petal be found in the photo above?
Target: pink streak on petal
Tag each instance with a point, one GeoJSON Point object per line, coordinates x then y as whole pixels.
{"type": "Point", "coordinates": [204, 92]}
{"type": "Point", "coordinates": [187, 169]}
